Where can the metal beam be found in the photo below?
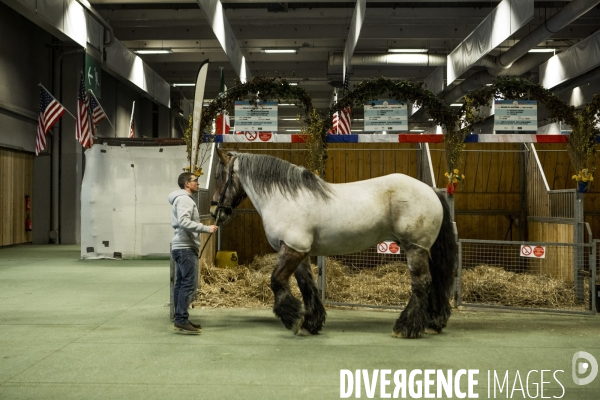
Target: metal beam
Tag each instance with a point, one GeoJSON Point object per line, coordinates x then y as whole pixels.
{"type": "Point", "coordinates": [213, 9]}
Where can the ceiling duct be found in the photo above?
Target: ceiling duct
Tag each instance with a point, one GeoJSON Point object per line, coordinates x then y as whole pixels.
{"type": "Point", "coordinates": [500, 65]}
{"type": "Point", "coordinates": [405, 59]}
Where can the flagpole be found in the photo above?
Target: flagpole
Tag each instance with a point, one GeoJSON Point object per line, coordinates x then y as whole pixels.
{"type": "Point", "coordinates": [224, 111]}
{"type": "Point", "coordinates": [131, 120]}
{"type": "Point", "coordinates": [39, 84]}
{"type": "Point", "coordinates": [110, 123]}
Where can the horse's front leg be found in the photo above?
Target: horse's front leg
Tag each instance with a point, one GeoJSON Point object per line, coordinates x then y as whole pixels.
{"type": "Point", "coordinates": [287, 307]}
{"type": "Point", "coordinates": [414, 318]}
{"type": "Point", "coordinates": [314, 312]}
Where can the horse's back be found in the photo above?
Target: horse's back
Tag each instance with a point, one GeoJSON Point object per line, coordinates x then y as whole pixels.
{"type": "Point", "coordinates": [363, 213]}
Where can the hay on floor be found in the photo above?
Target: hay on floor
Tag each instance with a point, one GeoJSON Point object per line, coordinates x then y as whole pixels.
{"type": "Point", "coordinates": [385, 285]}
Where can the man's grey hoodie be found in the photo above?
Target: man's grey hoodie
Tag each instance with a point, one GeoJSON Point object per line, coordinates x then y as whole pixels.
{"type": "Point", "coordinates": [185, 219]}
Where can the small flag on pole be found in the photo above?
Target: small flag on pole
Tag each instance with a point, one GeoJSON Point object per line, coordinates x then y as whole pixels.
{"type": "Point", "coordinates": [83, 128]}
{"type": "Point", "coordinates": [97, 111]}
{"type": "Point", "coordinates": [50, 112]}
{"type": "Point", "coordinates": [222, 122]}
{"type": "Point", "coordinates": [342, 122]}
{"type": "Point", "coordinates": [132, 123]}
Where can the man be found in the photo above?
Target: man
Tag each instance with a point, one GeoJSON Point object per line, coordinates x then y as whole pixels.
{"type": "Point", "coordinates": [185, 219]}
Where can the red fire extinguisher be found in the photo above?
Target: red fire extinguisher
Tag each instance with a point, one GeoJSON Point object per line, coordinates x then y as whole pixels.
{"type": "Point", "coordinates": [28, 224]}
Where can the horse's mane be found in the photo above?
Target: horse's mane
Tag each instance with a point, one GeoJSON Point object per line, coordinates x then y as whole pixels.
{"type": "Point", "coordinates": [267, 173]}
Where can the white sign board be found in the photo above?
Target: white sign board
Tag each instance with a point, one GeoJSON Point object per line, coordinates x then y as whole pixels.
{"type": "Point", "coordinates": [533, 251]}
{"type": "Point", "coordinates": [256, 118]}
{"type": "Point", "coordinates": [386, 115]}
{"type": "Point", "coordinates": [515, 115]}
{"type": "Point", "coordinates": [388, 247]}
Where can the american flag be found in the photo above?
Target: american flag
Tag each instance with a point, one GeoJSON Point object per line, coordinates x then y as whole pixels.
{"type": "Point", "coordinates": [342, 122]}
{"type": "Point", "coordinates": [98, 113]}
{"type": "Point", "coordinates": [83, 128]}
{"type": "Point", "coordinates": [50, 111]}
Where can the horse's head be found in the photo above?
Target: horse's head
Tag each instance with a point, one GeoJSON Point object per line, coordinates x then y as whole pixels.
{"type": "Point", "coordinates": [229, 192]}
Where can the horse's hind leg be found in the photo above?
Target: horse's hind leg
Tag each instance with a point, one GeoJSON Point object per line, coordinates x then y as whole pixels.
{"type": "Point", "coordinates": [439, 310]}
{"type": "Point", "coordinates": [286, 307]}
{"type": "Point", "coordinates": [314, 312]}
{"type": "Point", "coordinates": [414, 318]}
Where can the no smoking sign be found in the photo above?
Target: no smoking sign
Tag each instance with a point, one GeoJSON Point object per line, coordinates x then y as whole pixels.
{"type": "Point", "coordinates": [533, 251]}
{"type": "Point", "coordinates": [388, 247]}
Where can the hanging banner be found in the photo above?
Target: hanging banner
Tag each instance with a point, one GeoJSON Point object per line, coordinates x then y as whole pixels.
{"type": "Point", "coordinates": [256, 118]}
{"type": "Point", "coordinates": [197, 113]}
{"type": "Point", "coordinates": [386, 115]}
{"type": "Point", "coordinates": [515, 115]}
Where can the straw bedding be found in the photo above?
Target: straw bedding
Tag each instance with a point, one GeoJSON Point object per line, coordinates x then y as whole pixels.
{"type": "Point", "coordinates": [385, 285]}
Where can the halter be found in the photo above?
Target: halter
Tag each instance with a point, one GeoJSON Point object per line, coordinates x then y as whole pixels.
{"type": "Point", "coordinates": [219, 204]}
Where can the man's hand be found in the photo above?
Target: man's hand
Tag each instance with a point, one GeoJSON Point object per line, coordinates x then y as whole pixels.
{"type": "Point", "coordinates": [213, 228]}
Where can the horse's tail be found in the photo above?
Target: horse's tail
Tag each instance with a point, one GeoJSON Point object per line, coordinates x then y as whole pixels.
{"type": "Point", "coordinates": [442, 266]}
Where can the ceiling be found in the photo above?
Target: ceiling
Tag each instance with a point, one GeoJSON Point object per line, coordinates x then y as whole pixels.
{"type": "Point", "coordinates": [318, 30]}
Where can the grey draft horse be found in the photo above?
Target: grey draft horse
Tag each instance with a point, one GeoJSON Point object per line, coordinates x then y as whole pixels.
{"type": "Point", "coordinates": [305, 216]}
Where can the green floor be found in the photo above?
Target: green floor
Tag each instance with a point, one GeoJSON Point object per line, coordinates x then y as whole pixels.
{"type": "Point", "coordinates": [73, 329]}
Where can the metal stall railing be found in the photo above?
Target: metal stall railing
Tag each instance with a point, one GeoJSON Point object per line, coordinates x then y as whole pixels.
{"type": "Point", "coordinates": [527, 275]}
{"type": "Point", "coordinates": [550, 211]}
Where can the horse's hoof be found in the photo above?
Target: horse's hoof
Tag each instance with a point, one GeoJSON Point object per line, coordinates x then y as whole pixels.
{"type": "Point", "coordinates": [297, 327]}
{"type": "Point", "coordinates": [431, 331]}
{"type": "Point", "coordinates": [397, 334]}
{"type": "Point", "coordinates": [303, 332]}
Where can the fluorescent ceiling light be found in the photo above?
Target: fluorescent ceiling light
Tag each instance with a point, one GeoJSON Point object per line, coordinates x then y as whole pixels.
{"type": "Point", "coordinates": [279, 50]}
{"type": "Point", "coordinates": [417, 130]}
{"type": "Point", "coordinates": [407, 51]}
{"type": "Point", "coordinates": [286, 104]}
{"type": "Point", "coordinates": [288, 119]}
{"type": "Point", "coordinates": [153, 51]}
{"type": "Point", "coordinates": [293, 130]}
{"type": "Point", "coordinates": [293, 83]}
{"type": "Point", "coordinates": [456, 105]}
{"type": "Point", "coordinates": [542, 50]}
{"type": "Point", "coordinates": [183, 84]}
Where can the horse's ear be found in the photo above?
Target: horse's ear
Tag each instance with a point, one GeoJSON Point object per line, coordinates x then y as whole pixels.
{"type": "Point", "coordinates": [223, 156]}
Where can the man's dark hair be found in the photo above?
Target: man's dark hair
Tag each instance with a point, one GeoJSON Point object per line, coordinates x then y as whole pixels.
{"type": "Point", "coordinates": [183, 178]}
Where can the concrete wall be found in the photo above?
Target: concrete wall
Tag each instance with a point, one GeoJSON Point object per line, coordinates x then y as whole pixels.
{"type": "Point", "coordinates": [28, 56]}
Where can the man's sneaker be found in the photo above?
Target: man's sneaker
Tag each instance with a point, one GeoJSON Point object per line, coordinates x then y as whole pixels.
{"type": "Point", "coordinates": [186, 328]}
{"type": "Point", "coordinates": [197, 326]}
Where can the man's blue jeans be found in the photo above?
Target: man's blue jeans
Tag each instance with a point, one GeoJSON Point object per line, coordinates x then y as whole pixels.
{"type": "Point", "coordinates": [185, 282]}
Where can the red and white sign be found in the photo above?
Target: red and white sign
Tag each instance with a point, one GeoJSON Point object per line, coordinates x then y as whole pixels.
{"type": "Point", "coordinates": [388, 247]}
{"type": "Point", "coordinates": [257, 137]}
{"type": "Point", "coordinates": [533, 251]}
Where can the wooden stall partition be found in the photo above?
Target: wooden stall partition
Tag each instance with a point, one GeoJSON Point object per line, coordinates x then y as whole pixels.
{"type": "Point", "coordinates": [487, 205]}
{"type": "Point", "coordinates": [16, 182]}
{"type": "Point", "coordinates": [558, 261]}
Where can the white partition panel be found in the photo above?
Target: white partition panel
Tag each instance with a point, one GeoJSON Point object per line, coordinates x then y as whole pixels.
{"type": "Point", "coordinates": [124, 207]}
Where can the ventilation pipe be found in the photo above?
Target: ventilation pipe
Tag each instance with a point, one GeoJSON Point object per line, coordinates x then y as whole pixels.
{"type": "Point", "coordinates": [111, 35]}
{"type": "Point", "coordinates": [414, 60]}
{"type": "Point", "coordinates": [483, 78]}
{"type": "Point", "coordinates": [500, 65]}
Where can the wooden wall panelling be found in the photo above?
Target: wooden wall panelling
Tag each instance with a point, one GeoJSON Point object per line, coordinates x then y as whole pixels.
{"type": "Point", "coordinates": [16, 181]}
